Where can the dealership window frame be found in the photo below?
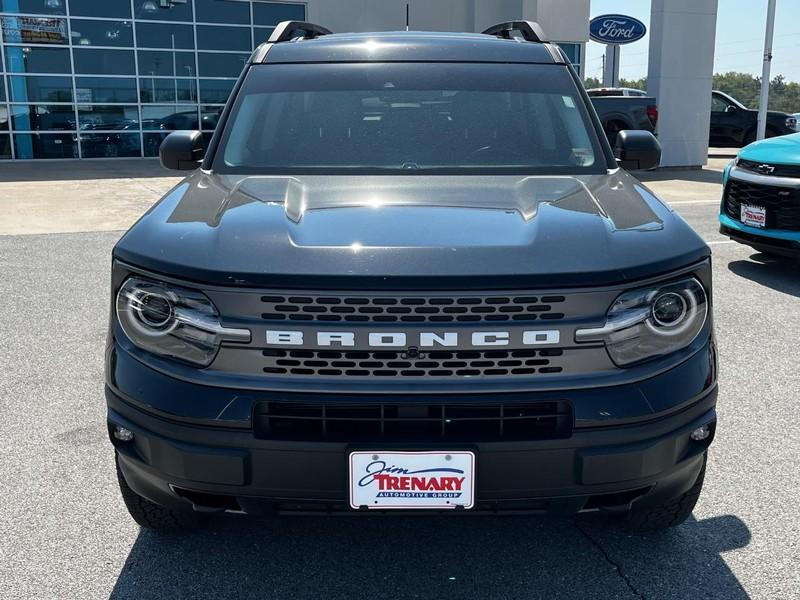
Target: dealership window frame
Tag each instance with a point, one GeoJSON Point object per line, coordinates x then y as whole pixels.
{"type": "Point", "coordinates": [258, 34]}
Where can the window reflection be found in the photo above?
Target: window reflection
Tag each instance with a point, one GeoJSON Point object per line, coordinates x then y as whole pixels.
{"type": "Point", "coordinates": [40, 7]}
{"type": "Point", "coordinates": [265, 13]}
{"type": "Point", "coordinates": [162, 35]}
{"type": "Point", "coordinates": [46, 145]}
{"type": "Point", "coordinates": [34, 30]}
{"type": "Point", "coordinates": [210, 117]}
{"type": "Point", "coordinates": [220, 65]}
{"type": "Point", "coordinates": [215, 11]}
{"type": "Point", "coordinates": [110, 144]}
{"type": "Point", "coordinates": [223, 38]}
{"type": "Point", "coordinates": [89, 90]}
{"type": "Point", "coordinates": [31, 59]}
{"type": "Point", "coordinates": [100, 8]}
{"type": "Point", "coordinates": [169, 117]}
{"type": "Point", "coordinates": [40, 89]}
{"type": "Point", "coordinates": [103, 62]}
{"type": "Point", "coordinates": [42, 117]}
{"type": "Point", "coordinates": [102, 33]}
{"type": "Point", "coordinates": [155, 10]}
{"type": "Point", "coordinates": [216, 91]}
{"type": "Point", "coordinates": [5, 146]}
{"type": "Point", "coordinates": [108, 117]}
{"type": "Point", "coordinates": [158, 63]}
{"type": "Point", "coordinates": [167, 90]}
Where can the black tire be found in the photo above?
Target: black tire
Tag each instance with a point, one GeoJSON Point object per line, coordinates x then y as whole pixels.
{"type": "Point", "coordinates": [671, 512]}
{"type": "Point", "coordinates": [150, 515]}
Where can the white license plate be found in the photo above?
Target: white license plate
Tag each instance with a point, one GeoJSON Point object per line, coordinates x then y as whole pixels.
{"type": "Point", "coordinates": [433, 480]}
{"type": "Point", "coordinates": [754, 216]}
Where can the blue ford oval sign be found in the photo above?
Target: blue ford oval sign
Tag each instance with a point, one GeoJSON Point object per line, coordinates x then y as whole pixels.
{"type": "Point", "coordinates": [616, 29]}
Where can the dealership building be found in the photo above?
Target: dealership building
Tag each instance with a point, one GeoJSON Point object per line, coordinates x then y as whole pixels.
{"type": "Point", "coordinates": [110, 78]}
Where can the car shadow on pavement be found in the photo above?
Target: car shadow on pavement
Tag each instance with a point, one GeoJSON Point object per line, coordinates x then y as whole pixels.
{"type": "Point", "coordinates": [428, 557]}
{"type": "Point", "coordinates": [780, 274]}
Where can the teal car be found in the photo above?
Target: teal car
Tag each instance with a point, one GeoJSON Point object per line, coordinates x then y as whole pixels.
{"type": "Point", "coordinates": [761, 196]}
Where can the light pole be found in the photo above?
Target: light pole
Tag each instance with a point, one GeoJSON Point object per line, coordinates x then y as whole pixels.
{"type": "Point", "coordinates": [762, 107]}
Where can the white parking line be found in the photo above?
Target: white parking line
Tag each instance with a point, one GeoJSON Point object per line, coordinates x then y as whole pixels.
{"type": "Point", "coordinates": [716, 242]}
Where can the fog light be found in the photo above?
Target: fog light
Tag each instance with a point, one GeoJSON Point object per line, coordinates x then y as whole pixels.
{"type": "Point", "coordinates": [122, 434]}
{"type": "Point", "coordinates": [697, 435]}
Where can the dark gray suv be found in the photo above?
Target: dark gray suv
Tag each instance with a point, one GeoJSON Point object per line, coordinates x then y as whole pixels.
{"type": "Point", "coordinates": [408, 273]}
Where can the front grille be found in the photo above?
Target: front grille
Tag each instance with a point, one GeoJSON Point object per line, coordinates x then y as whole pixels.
{"type": "Point", "coordinates": [464, 363]}
{"type": "Point", "coordinates": [411, 421]}
{"type": "Point", "coordinates": [778, 170]}
{"type": "Point", "coordinates": [411, 309]}
{"type": "Point", "coordinates": [782, 204]}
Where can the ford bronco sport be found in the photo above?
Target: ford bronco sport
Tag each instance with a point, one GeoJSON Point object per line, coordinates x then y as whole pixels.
{"type": "Point", "coordinates": [408, 272]}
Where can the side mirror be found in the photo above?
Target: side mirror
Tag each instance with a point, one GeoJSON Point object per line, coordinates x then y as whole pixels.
{"type": "Point", "coordinates": [731, 108]}
{"type": "Point", "coordinates": [182, 150]}
{"type": "Point", "coordinates": [636, 149]}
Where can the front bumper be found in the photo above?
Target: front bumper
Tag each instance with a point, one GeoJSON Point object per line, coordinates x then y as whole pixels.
{"type": "Point", "coordinates": [776, 241]}
{"type": "Point", "coordinates": [187, 466]}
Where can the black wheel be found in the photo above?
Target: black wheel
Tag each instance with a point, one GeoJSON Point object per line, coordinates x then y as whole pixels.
{"type": "Point", "coordinates": [671, 512]}
{"type": "Point", "coordinates": [150, 515]}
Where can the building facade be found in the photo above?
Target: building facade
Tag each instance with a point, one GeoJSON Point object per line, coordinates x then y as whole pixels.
{"type": "Point", "coordinates": [111, 78]}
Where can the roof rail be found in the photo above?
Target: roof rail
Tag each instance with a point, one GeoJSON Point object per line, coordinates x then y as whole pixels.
{"type": "Point", "coordinates": [289, 30]}
{"type": "Point", "coordinates": [531, 31]}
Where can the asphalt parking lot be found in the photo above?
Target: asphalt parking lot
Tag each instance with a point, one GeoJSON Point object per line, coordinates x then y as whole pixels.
{"type": "Point", "coordinates": [64, 532]}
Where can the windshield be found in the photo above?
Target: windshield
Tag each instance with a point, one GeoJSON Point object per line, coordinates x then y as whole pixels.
{"type": "Point", "coordinates": [401, 117]}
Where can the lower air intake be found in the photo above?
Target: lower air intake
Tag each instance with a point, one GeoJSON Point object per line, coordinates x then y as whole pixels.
{"type": "Point", "coordinates": [465, 422]}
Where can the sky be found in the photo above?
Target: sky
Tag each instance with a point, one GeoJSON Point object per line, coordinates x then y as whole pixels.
{"type": "Point", "coordinates": [739, 39]}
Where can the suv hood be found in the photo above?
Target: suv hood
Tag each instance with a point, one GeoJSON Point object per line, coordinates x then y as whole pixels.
{"type": "Point", "coordinates": [408, 231]}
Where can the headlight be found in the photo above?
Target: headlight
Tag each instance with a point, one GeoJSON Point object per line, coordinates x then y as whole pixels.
{"type": "Point", "coordinates": [172, 321]}
{"type": "Point", "coordinates": [651, 321]}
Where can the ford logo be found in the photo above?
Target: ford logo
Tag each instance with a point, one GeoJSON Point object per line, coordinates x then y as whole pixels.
{"type": "Point", "coordinates": [616, 29]}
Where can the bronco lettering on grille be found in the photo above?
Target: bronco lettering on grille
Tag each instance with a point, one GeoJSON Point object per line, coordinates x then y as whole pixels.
{"type": "Point", "coordinates": [399, 339]}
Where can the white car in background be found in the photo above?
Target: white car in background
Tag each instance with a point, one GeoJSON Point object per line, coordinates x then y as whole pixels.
{"type": "Point", "coordinates": [619, 91]}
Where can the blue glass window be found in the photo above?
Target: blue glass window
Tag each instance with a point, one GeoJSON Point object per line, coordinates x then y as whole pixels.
{"type": "Point", "coordinates": [155, 10]}
{"type": "Point", "coordinates": [223, 38]}
{"type": "Point", "coordinates": [5, 146]}
{"type": "Point", "coordinates": [108, 116]}
{"type": "Point", "coordinates": [103, 62]}
{"type": "Point", "coordinates": [47, 145]}
{"type": "Point", "coordinates": [32, 59]}
{"type": "Point", "coordinates": [216, 91]}
{"type": "Point", "coordinates": [105, 89]}
{"type": "Point", "coordinates": [42, 117]}
{"type": "Point", "coordinates": [34, 30]}
{"type": "Point", "coordinates": [221, 65]}
{"type": "Point", "coordinates": [112, 144]}
{"type": "Point", "coordinates": [162, 35]}
{"type": "Point", "coordinates": [100, 8]}
{"type": "Point", "coordinates": [222, 11]}
{"type": "Point", "coordinates": [157, 63]}
{"type": "Point", "coordinates": [153, 90]}
{"type": "Point", "coordinates": [33, 7]}
{"type": "Point", "coordinates": [87, 32]}
{"type": "Point", "coordinates": [40, 88]}
{"type": "Point", "coordinates": [271, 13]}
